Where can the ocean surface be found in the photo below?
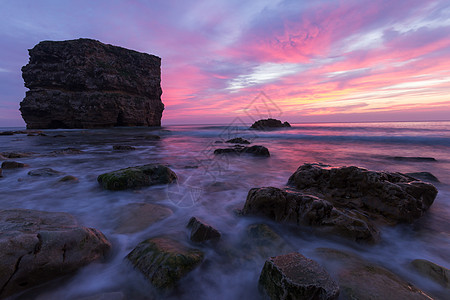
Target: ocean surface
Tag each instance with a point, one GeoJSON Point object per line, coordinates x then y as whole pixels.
{"type": "Point", "coordinates": [213, 188]}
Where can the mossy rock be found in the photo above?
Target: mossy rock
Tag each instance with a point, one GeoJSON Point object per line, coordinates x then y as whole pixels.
{"type": "Point", "coordinates": [136, 177]}
{"type": "Point", "coordinates": [164, 261]}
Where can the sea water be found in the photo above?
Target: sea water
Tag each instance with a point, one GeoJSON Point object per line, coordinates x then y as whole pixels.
{"type": "Point", "coordinates": [214, 188]}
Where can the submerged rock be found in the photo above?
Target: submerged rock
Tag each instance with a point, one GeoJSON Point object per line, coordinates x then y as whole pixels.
{"type": "Point", "coordinates": [45, 172]}
{"type": "Point", "coordinates": [67, 151]}
{"type": "Point", "coordinates": [123, 148]}
{"type": "Point", "coordinates": [15, 154]}
{"type": "Point", "coordinates": [265, 124]}
{"type": "Point", "coordinates": [359, 279]}
{"type": "Point", "coordinates": [84, 83]}
{"type": "Point", "coordinates": [164, 261]}
{"type": "Point", "coordinates": [254, 150]}
{"type": "Point", "coordinates": [38, 246]}
{"type": "Point", "coordinates": [303, 209]}
{"type": "Point", "coordinates": [393, 196]}
{"type": "Point", "coordinates": [200, 231]}
{"type": "Point", "coordinates": [13, 165]}
{"type": "Point", "coordinates": [434, 271]}
{"type": "Point", "coordinates": [293, 276]}
{"type": "Point", "coordinates": [136, 177]}
{"type": "Point", "coordinates": [238, 140]}
{"type": "Point", "coordinates": [69, 178]}
{"type": "Point", "coordinates": [427, 176]}
{"type": "Point", "coordinates": [135, 217]}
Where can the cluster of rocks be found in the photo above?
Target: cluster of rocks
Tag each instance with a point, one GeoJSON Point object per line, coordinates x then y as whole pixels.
{"type": "Point", "coordinates": [84, 83]}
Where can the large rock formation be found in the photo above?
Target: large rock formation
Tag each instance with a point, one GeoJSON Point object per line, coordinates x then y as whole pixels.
{"type": "Point", "coordinates": [86, 84]}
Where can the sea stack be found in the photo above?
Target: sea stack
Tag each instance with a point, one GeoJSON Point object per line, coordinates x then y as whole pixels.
{"type": "Point", "coordinates": [84, 83]}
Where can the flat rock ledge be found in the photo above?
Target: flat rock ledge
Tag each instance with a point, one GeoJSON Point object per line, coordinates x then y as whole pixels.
{"type": "Point", "coordinates": [293, 276]}
{"type": "Point", "coordinates": [164, 261]}
{"type": "Point", "coordinates": [137, 177]}
{"type": "Point", "coordinates": [38, 246]}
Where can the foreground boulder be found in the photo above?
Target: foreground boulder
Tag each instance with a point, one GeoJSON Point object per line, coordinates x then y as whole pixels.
{"type": "Point", "coordinates": [38, 246]}
{"type": "Point", "coordinates": [200, 231]}
{"type": "Point", "coordinates": [164, 261]}
{"type": "Point", "coordinates": [265, 124]}
{"type": "Point", "coordinates": [359, 279]}
{"type": "Point", "coordinates": [393, 196]}
{"type": "Point", "coordinates": [294, 207]}
{"type": "Point", "coordinates": [253, 150]}
{"type": "Point", "coordinates": [84, 83]}
{"type": "Point", "coordinates": [293, 276]}
{"type": "Point", "coordinates": [136, 177]}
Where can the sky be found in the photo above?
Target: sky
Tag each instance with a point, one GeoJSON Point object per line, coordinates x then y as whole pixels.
{"type": "Point", "coordinates": [297, 60]}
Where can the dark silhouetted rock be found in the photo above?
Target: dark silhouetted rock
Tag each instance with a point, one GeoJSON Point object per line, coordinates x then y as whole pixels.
{"type": "Point", "coordinates": [295, 277]}
{"type": "Point", "coordinates": [6, 133]}
{"type": "Point", "coordinates": [413, 158]}
{"type": "Point", "coordinates": [123, 148]}
{"type": "Point", "coordinates": [237, 150]}
{"type": "Point", "coordinates": [238, 140]}
{"type": "Point", "coordinates": [359, 279]}
{"type": "Point", "coordinates": [394, 196]}
{"type": "Point", "coordinates": [200, 231]}
{"type": "Point", "coordinates": [136, 177]}
{"type": "Point", "coordinates": [265, 124]}
{"type": "Point", "coordinates": [84, 83]}
{"type": "Point", "coordinates": [45, 172]}
{"type": "Point", "coordinates": [1, 171]}
{"type": "Point", "coordinates": [37, 246]}
{"type": "Point", "coordinates": [135, 217]}
{"type": "Point", "coordinates": [13, 165]}
{"type": "Point", "coordinates": [426, 176]}
{"type": "Point", "coordinates": [294, 207]}
{"type": "Point", "coordinates": [434, 271]}
{"type": "Point", "coordinates": [164, 261]}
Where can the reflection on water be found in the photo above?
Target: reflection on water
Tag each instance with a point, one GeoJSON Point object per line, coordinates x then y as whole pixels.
{"type": "Point", "coordinates": [212, 188]}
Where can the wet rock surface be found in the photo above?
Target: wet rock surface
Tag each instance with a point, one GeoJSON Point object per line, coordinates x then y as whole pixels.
{"type": "Point", "coordinates": [256, 150]}
{"type": "Point", "coordinates": [136, 177]}
{"type": "Point", "coordinates": [164, 261]}
{"type": "Point", "coordinates": [434, 271]}
{"type": "Point", "coordinates": [394, 196]}
{"type": "Point", "coordinates": [266, 124]}
{"type": "Point", "coordinates": [359, 279]}
{"type": "Point", "coordinates": [201, 231]}
{"type": "Point", "coordinates": [13, 165]}
{"type": "Point", "coordinates": [293, 276]}
{"type": "Point", "coordinates": [84, 83]}
{"type": "Point", "coordinates": [135, 217]}
{"type": "Point", "coordinates": [38, 246]}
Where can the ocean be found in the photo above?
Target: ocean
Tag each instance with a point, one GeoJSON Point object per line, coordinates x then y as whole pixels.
{"type": "Point", "coordinates": [214, 188]}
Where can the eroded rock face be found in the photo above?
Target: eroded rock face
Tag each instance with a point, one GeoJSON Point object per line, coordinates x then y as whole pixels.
{"type": "Point", "coordinates": [394, 196]}
{"type": "Point", "coordinates": [87, 84]}
{"type": "Point", "coordinates": [293, 276]}
{"type": "Point", "coordinates": [302, 209]}
{"type": "Point", "coordinates": [37, 246]}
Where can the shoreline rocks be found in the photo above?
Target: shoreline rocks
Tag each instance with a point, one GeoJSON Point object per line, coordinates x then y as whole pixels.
{"type": "Point", "coordinates": [84, 83]}
{"type": "Point", "coordinates": [295, 277]}
{"type": "Point", "coordinates": [266, 124]}
{"type": "Point", "coordinates": [164, 261]}
{"type": "Point", "coordinates": [137, 177]}
{"type": "Point", "coordinates": [38, 246]}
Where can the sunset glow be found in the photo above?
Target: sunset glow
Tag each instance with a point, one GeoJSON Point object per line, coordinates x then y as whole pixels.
{"type": "Point", "coordinates": [317, 60]}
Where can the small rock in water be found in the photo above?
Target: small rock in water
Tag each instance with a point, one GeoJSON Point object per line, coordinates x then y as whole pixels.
{"type": "Point", "coordinates": [136, 177]}
{"type": "Point", "coordinates": [15, 154]}
{"type": "Point", "coordinates": [434, 271]}
{"type": "Point", "coordinates": [293, 276]}
{"type": "Point", "coordinates": [59, 136]}
{"type": "Point", "coordinates": [200, 231]}
{"type": "Point", "coordinates": [152, 137]}
{"type": "Point", "coordinates": [123, 148]}
{"type": "Point", "coordinates": [238, 140]}
{"type": "Point", "coordinates": [135, 217]}
{"type": "Point", "coordinates": [69, 178]}
{"type": "Point", "coordinates": [13, 165]}
{"type": "Point", "coordinates": [46, 172]}
{"type": "Point", "coordinates": [164, 261]}
{"type": "Point", "coordinates": [266, 124]}
{"type": "Point", "coordinates": [6, 133]}
{"type": "Point", "coordinates": [254, 150]}
{"type": "Point", "coordinates": [67, 151]}
{"type": "Point", "coordinates": [38, 246]}
{"type": "Point", "coordinates": [427, 176]}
